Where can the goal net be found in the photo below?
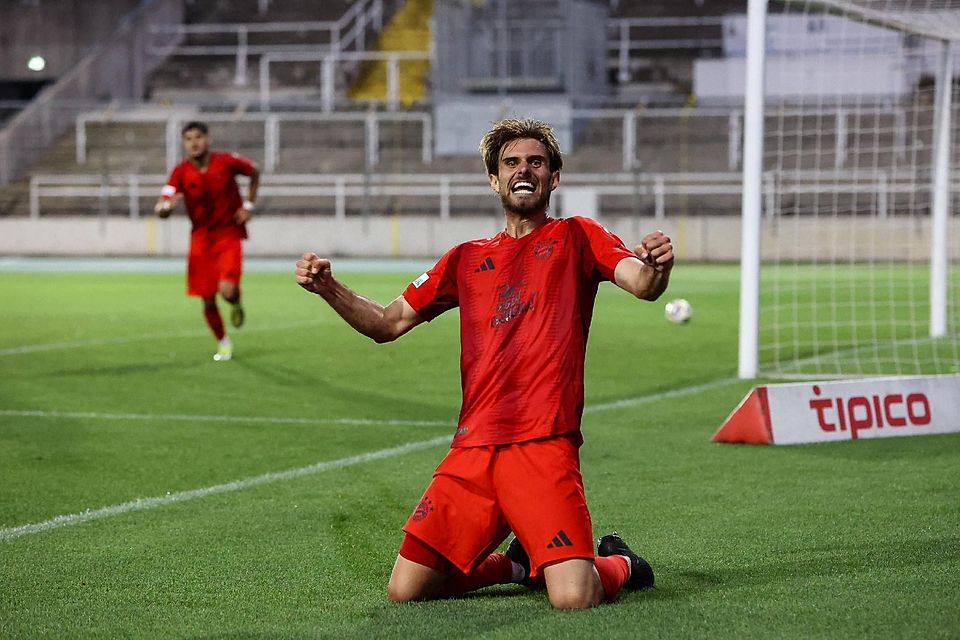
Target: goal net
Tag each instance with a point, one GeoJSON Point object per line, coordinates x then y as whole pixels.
{"type": "Point", "coordinates": [857, 237]}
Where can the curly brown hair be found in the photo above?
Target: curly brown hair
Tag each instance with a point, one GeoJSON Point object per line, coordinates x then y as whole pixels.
{"type": "Point", "coordinates": [513, 129]}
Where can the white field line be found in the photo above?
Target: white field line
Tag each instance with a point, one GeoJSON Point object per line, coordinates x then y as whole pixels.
{"type": "Point", "coordinates": [175, 417]}
{"type": "Point", "coordinates": [148, 503]}
{"type": "Point", "coordinates": [101, 342]}
{"type": "Point", "coordinates": [237, 485]}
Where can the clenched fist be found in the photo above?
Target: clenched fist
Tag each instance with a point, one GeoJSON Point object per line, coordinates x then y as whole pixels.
{"type": "Point", "coordinates": [656, 250]}
{"type": "Point", "coordinates": [314, 273]}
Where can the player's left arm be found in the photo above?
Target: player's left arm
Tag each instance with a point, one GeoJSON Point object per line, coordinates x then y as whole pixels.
{"type": "Point", "coordinates": [245, 211]}
{"type": "Point", "coordinates": [647, 275]}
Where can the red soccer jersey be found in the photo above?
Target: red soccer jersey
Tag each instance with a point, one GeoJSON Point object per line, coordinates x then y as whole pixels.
{"type": "Point", "coordinates": [525, 311]}
{"type": "Point", "coordinates": [211, 196]}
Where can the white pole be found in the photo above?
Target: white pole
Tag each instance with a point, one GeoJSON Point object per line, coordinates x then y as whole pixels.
{"type": "Point", "coordinates": [734, 135]}
{"type": "Point", "coordinates": [393, 82]}
{"type": "Point", "coordinates": [271, 142]}
{"type": "Point", "coordinates": [840, 150]}
{"type": "Point", "coordinates": [752, 188]}
{"type": "Point", "coordinates": [659, 195]}
{"type": "Point", "coordinates": [372, 139]}
{"type": "Point", "coordinates": [941, 196]}
{"type": "Point", "coordinates": [34, 198]}
{"type": "Point", "coordinates": [340, 194]}
{"type": "Point", "coordinates": [427, 142]}
{"type": "Point", "coordinates": [445, 198]}
{"type": "Point", "coordinates": [265, 81]}
{"type": "Point", "coordinates": [883, 194]}
{"type": "Point", "coordinates": [240, 75]}
{"type": "Point", "coordinates": [173, 142]}
{"type": "Point", "coordinates": [81, 140]}
{"type": "Point", "coordinates": [327, 84]}
{"type": "Point", "coordinates": [623, 60]}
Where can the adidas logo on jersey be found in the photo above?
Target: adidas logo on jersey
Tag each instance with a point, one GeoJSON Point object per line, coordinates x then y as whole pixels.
{"type": "Point", "coordinates": [486, 265]}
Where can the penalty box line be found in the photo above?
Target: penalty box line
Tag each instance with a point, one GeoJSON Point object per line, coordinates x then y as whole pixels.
{"type": "Point", "coordinates": [141, 504]}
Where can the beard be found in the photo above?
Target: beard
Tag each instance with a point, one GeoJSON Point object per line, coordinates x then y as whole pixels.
{"type": "Point", "coordinates": [527, 207]}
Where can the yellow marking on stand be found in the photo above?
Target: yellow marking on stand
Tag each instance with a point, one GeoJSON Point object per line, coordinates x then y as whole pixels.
{"type": "Point", "coordinates": [150, 225]}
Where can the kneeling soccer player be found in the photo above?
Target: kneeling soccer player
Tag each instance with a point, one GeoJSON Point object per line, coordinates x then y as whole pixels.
{"type": "Point", "coordinates": [526, 299]}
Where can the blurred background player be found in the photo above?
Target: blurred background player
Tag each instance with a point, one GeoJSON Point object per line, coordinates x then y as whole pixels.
{"type": "Point", "coordinates": [526, 299]}
{"type": "Point", "coordinates": [206, 181]}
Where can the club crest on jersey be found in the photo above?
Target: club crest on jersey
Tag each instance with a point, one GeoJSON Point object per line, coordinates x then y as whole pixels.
{"type": "Point", "coordinates": [544, 248]}
{"type": "Point", "coordinates": [423, 509]}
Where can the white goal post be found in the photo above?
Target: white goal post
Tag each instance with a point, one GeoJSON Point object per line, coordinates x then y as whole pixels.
{"type": "Point", "coordinates": [847, 189]}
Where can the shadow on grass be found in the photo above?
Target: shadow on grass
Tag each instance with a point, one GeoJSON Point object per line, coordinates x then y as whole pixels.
{"type": "Point", "coordinates": [487, 610]}
{"type": "Point", "coordinates": [920, 447]}
{"type": "Point", "coordinates": [822, 561]}
{"type": "Point", "coordinates": [365, 396]}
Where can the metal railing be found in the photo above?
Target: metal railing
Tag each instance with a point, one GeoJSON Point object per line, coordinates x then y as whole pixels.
{"type": "Point", "coordinates": [347, 32]}
{"type": "Point", "coordinates": [439, 190]}
{"type": "Point", "coordinates": [627, 37]}
{"type": "Point", "coordinates": [630, 122]}
{"type": "Point", "coordinates": [328, 75]}
{"type": "Point", "coordinates": [271, 123]}
{"type": "Point", "coordinates": [117, 69]}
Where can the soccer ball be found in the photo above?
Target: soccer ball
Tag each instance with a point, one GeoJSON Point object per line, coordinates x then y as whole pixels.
{"type": "Point", "coordinates": [678, 311]}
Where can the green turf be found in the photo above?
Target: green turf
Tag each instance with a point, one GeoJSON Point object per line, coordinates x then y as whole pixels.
{"type": "Point", "coordinates": [847, 540]}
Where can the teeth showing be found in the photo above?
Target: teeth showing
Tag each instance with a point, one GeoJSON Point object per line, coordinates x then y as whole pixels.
{"type": "Point", "coordinates": [523, 187]}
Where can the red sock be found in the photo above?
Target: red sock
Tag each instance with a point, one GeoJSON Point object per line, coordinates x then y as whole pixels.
{"type": "Point", "coordinates": [212, 314]}
{"type": "Point", "coordinates": [614, 573]}
{"type": "Point", "coordinates": [496, 569]}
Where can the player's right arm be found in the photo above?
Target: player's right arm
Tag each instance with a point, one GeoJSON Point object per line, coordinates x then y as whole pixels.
{"type": "Point", "coordinates": [169, 197]}
{"type": "Point", "coordinates": [378, 322]}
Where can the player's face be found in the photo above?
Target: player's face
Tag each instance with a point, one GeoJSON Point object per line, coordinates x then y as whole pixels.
{"type": "Point", "coordinates": [195, 144]}
{"type": "Point", "coordinates": [524, 180]}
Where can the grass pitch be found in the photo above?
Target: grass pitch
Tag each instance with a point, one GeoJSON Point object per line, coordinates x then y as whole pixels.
{"type": "Point", "coordinates": [108, 394]}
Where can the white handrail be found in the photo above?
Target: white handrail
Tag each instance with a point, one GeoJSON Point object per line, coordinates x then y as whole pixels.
{"type": "Point", "coordinates": [441, 187]}
{"type": "Point", "coordinates": [621, 43]}
{"type": "Point", "coordinates": [349, 30]}
{"type": "Point", "coordinates": [328, 80]}
{"type": "Point", "coordinates": [116, 69]}
{"type": "Point", "coordinates": [272, 122]}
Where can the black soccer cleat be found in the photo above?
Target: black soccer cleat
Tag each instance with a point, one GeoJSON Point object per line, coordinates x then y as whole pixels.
{"type": "Point", "coordinates": [518, 554]}
{"type": "Point", "coordinates": [641, 574]}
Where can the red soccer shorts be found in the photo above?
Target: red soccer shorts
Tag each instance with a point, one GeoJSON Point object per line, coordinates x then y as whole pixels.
{"type": "Point", "coordinates": [213, 258]}
{"type": "Point", "coordinates": [479, 494]}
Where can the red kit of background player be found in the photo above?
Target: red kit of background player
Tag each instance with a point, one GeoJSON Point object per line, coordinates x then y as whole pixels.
{"type": "Point", "coordinates": [206, 181]}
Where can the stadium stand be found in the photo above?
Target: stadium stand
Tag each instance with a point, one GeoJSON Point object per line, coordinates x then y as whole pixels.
{"type": "Point", "coordinates": [222, 45]}
{"type": "Point", "coordinates": [655, 146]}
